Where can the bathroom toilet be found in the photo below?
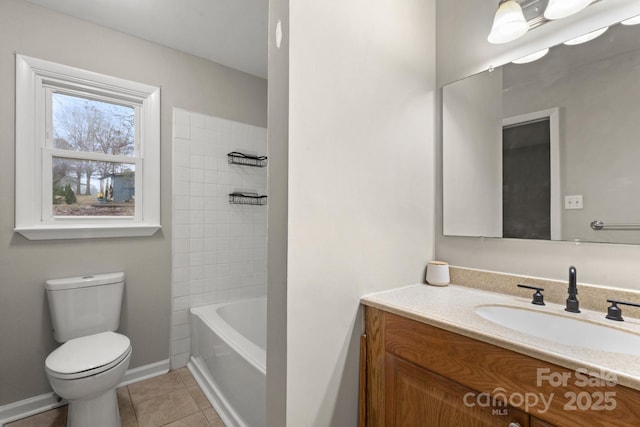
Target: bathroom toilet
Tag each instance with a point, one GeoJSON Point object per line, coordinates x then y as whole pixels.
{"type": "Point", "coordinates": [93, 358]}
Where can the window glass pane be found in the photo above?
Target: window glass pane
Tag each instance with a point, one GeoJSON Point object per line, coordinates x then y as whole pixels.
{"type": "Point", "coordinates": [93, 188]}
{"type": "Point", "coordinates": [82, 124]}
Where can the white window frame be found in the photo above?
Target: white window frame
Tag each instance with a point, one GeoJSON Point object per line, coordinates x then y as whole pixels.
{"type": "Point", "coordinates": [35, 78]}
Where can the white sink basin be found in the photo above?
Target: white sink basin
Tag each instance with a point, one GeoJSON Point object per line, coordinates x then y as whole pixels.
{"type": "Point", "coordinates": [561, 329]}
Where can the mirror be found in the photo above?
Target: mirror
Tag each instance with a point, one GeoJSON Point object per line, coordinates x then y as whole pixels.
{"type": "Point", "coordinates": [543, 149]}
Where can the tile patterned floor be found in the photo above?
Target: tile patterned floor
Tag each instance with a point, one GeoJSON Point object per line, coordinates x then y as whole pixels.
{"type": "Point", "coordinates": [170, 400]}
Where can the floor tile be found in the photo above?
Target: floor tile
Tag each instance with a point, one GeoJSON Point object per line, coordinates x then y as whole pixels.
{"type": "Point", "coordinates": [213, 417]}
{"type": "Point", "coordinates": [195, 420]}
{"type": "Point", "coordinates": [170, 400]}
{"type": "Point", "coordinates": [199, 397]}
{"type": "Point", "coordinates": [155, 387]}
{"type": "Point", "coordinates": [165, 409]}
{"type": "Point", "coordinates": [123, 396]}
{"type": "Point", "coordinates": [53, 418]}
{"type": "Point", "coordinates": [127, 414]}
{"type": "Point", "coordinates": [187, 377]}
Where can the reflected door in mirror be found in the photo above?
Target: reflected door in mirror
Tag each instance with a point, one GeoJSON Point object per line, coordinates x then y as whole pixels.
{"type": "Point", "coordinates": [526, 180]}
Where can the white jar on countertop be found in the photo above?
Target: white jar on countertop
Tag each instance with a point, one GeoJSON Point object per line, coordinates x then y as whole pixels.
{"type": "Point", "coordinates": [437, 273]}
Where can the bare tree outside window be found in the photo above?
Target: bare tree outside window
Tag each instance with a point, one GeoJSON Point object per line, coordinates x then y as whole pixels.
{"type": "Point", "coordinates": [84, 187]}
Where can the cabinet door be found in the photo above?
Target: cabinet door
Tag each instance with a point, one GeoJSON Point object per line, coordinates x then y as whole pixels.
{"type": "Point", "coordinates": [536, 422]}
{"type": "Point", "coordinates": [416, 397]}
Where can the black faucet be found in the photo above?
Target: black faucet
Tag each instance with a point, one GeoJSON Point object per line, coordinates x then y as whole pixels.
{"type": "Point", "coordinates": [572, 301]}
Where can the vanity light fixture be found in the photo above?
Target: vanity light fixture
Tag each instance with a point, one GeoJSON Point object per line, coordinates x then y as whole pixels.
{"type": "Point", "coordinates": [586, 37]}
{"type": "Point", "coordinates": [515, 17]}
{"type": "Point", "coordinates": [508, 24]}
{"type": "Point", "coordinates": [558, 9]}
{"type": "Point", "coordinates": [631, 21]}
{"type": "Point", "coordinates": [532, 57]}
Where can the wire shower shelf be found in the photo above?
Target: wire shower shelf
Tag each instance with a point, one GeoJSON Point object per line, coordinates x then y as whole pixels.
{"type": "Point", "coordinates": [237, 158]}
{"type": "Point", "coordinates": [240, 198]}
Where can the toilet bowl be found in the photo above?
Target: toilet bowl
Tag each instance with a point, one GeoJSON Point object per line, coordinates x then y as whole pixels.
{"type": "Point", "coordinates": [93, 358]}
{"type": "Point", "coordinates": [85, 371]}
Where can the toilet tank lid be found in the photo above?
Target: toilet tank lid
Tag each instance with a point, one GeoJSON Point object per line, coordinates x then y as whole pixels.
{"type": "Point", "coordinates": [83, 281]}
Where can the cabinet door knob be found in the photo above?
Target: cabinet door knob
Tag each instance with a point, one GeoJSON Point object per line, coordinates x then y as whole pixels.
{"type": "Point", "coordinates": [514, 425]}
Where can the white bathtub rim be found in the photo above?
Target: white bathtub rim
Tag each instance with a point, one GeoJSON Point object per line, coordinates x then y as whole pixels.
{"type": "Point", "coordinates": [252, 353]}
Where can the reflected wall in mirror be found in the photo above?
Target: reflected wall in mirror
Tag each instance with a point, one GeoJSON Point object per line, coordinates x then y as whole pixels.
{"type": "Point", "coordinates": [542, 149]}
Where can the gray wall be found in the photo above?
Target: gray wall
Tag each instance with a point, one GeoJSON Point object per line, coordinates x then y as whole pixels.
{"type": "Point", "coordinates": [278, 176]}
{"type": "Point", "coordinates": [462, 50]}
{"type": "Point", "coordinates": [186, 81]}
{"type": "Point", "coordinates": [598, 136]}
{"type": "Point", "coordinates": [360, 189]}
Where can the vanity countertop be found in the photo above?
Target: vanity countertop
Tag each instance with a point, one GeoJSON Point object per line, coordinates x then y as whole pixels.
{"type": "Point", "coordinates": [452, 308]}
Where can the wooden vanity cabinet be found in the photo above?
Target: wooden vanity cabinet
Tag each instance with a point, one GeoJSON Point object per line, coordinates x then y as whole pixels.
{"type": "Point", "coordinates": [419, 397]}
{"type": "Point", "coordinates": [418, 375]}
{"type": "Point", "coordinates": [536, 422]}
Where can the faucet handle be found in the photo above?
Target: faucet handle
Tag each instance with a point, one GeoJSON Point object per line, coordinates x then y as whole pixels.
{"type": "Point", "coordinates": [614, 312]}
{"type": "Point", "coordinates": [538, 298]}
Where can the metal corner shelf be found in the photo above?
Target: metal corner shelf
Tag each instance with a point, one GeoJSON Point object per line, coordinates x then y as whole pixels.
{"type": "Point", "coordinates": [239, 198]}
{"type": "Point", "coordinates": [237, 158]}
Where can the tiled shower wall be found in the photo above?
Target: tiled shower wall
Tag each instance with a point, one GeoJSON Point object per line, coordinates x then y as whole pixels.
{"type": "Point", "coordinates": [218, 249]}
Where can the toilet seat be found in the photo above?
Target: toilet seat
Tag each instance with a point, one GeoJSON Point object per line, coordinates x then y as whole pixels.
{"type": "Point", "coordinates": [86, 356]}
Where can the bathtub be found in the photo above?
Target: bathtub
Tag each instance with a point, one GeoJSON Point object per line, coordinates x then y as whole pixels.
{"type": "Point", "coordinates": [228, 359]}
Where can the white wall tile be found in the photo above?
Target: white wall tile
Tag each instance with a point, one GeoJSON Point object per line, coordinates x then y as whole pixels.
{"type": "Point", "coordinates": [181, 117]}
{"type": "Point", "coordinates": [180, 331]}
{"type": "Point", "coordinates": [182, 131]}
{"type": "Point", "coordinates": [197, 120]}
{"type": "Point", "coordinates": [181, 202]}
{"type": "Point", "coordinates": [196, 161]}
{"type": "Point", "coordinates": [195, 284]}
{"type": "Point", "coordinates": [212, 123]}
{"type": "Point", "coordinates": [195, 300]}
{"type": "Point", "coordinates": [181, 188]}
{"type": "Point", "coordinates": [196, 259]}
{"type": "Point", "coordinates": [196, 245]}
{"type": "Point", "coordinates": [210, 297]}
{"type": "Point", "coordinates": [196, 216]}
{"type": "Point", "coordinates": [181, 345]}
{"type": "Point", "coordinates": [196, 189]}
{"type": "Point", "coordinates": [180, 303]}
{"type": "Point", "coordinates": [219, 250]}
{"type": "Point", "coordinates": [181, 217]}
{"type": "Point", "coordinates": [180, 259]}
{"type": "Point", "coordinates": [179, 360]}
{"type": "Point", "coordinates": [180, 317]}
{"type": "Point", "coordinates": [210, 175]}
{"type": "Point", "coordinates": [180, 289]}
{"type": "Point", "coordinates": [180, 246]}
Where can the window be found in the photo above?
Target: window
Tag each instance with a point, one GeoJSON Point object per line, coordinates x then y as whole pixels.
{"type": "Point", "coordinates": [87, 153]}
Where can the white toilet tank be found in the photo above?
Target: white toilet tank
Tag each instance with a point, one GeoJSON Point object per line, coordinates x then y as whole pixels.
{"type": "Point", "coordinates": [85, 305]}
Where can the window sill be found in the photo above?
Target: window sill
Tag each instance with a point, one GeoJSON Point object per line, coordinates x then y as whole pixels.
{"type": "Point", "coordinates": [86, 232]}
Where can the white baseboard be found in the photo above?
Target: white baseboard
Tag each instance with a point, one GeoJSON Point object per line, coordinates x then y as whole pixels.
{"type": "Point", "coordinates": [27, 407]}
{"type": "Point", "coordinates": [35, 405]}
{"type": "Point", "coordinates": [145, 372]}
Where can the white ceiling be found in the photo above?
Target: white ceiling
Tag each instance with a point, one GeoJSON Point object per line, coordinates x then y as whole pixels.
{"type": "Point", "coordinates": [230, 32]}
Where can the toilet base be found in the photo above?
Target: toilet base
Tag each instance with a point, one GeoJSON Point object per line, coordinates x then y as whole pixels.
{"type": "Point", "coordinates": [99, 411]}
{"type": "Point", "coordinates": [93, 401]}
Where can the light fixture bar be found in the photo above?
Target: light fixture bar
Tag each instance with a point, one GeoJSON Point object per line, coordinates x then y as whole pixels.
{"type": "Point", "coordinates": [535, 14]}
{"type": "Point", "coordinates": [586, 37]}
{"type": "Point", "coordinates": [532, 57]}
{"type": "Point", "coordinates": [631, 21]}
{"type": "Point", "coordinates": [558, 9]}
